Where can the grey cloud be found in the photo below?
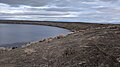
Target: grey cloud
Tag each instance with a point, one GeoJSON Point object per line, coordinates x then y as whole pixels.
{"type": "Point", "coordinates": [108, 10]}
{"type": "Point", "coordinates": [37, 2]}
{"type": "Point", "coordinates": [64, 10]}
{"type": "Point", "coordinates": [33, 14]}
{"type": "Point", "coordinates": [37, 14]}
{"type": "Point", "coordinates": [109, 0]}
{"type": "Point", "coordinates": [45, 2]}
{"type": "Point", "coordinates": [26, 2]}
{"type": "Point", "coordinates": [71, 10]}
{"type": "Point", "coordinates": [87, 0]}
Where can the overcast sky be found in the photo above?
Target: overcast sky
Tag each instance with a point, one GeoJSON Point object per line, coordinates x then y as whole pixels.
{"type": "Point", "coordinates": [103, 11]}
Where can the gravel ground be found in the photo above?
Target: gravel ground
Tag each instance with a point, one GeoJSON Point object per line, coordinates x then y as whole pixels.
{"type": "Point", "coordinates": [90, 45]}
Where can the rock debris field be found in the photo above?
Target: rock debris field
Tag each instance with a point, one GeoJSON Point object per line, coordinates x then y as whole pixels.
{"type": "Point", "coordinates": [88, 45]}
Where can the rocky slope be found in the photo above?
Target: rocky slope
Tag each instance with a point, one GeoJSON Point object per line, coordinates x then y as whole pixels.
{"type": "Point", "coordinates": [91, 45]}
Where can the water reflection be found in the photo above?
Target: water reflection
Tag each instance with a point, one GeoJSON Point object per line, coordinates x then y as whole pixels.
{"type": "Point", "coordinates": [10, 34]}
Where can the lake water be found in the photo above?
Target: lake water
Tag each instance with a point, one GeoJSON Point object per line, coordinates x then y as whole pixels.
{"type": "Point", "coordinates": [19, 34]}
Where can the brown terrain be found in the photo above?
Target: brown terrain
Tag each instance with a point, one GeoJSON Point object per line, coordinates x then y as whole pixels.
{"type": "Point", "coordinates": [90, 45]}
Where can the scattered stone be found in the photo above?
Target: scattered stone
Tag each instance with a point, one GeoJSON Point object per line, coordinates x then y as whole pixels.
{"type": "Point", "coordinates": [32, 42]}
{"type": "Point", "coordinates": [14, 47]}
{"type": "Point", "coordinates": [70, 33]}
{"type": "Point", "coordinates": [45, 40]}
{"type": "Point", "coordinates": [76, 31]}
{"type": "Point", "coordinates": [81, 30]}
{"type": "Point", "coordinates": [5, 49]}
{"type": "Point", "coordinates": [78, 55]}
{"type": "Point", "coordinates": [28, 44]}
{"type": "Point", "coordinates": [117, 32]}
{"type": "Point", "coordinates": [82, 63]}
{"type": "Point", "coordinates": [41, 41]}
{"type": "Point", "coordinates": [118, 59]}
{"type": "Point", "coordinates": [49, 40]}
{"type": "Point", "coordinates": [91, 38]}
{"type": "Point", "coordinates": [29, 50]}
{"type": "Point", "coordinates": [2, 48]}
{"type": "Point", "coordinates": [60, 36]}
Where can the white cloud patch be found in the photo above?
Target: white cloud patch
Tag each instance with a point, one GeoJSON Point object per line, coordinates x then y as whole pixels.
{"type": "Point", "coordinates": [100, 11]}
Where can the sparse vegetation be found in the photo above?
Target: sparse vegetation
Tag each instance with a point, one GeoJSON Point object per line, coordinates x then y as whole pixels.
{"type": "Point", "coordinates": [91, 45]}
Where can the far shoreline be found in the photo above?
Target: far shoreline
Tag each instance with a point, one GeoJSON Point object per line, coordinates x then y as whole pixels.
{"type": "Point", "coordinates": [72, 26]}
{"type": "Point", "coordinates": [21, 44]}
{"type": "Point", "coordinates": [90, 45]}
{"type": "Point", "coordinates": [49, 23]}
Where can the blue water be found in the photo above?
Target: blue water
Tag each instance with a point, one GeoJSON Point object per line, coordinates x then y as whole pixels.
{"type": "Point", "coordinates": [18, 34]}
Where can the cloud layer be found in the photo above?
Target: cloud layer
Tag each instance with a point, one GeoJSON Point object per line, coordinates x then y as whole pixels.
{"type": "Point", "coordinates": [103, 11]}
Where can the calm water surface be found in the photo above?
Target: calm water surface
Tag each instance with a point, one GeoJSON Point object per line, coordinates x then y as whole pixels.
{"type": "Point", "coordinates": [18, 34]}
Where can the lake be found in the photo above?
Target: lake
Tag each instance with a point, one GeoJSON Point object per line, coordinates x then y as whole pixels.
{"type": "Point", "coordinates": [15, 35]}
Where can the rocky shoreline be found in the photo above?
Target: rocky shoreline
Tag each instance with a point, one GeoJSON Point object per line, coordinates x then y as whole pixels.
{"type": "Point", "coordinates": [89, 45]}
{"type": "Point", "coordinates": [23, 45]}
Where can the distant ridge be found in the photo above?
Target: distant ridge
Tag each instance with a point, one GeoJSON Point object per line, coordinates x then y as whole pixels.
{"type": "Point", "coordinates": [47, 21]}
